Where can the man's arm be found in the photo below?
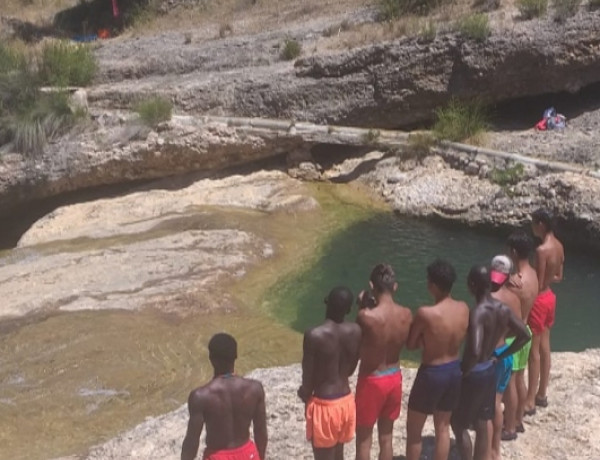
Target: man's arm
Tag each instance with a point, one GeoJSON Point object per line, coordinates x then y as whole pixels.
{"type": "Point", "coordinates": [517, 328]}
{"type": "Point", "coordinates": [355, 358]}
{"type": "Point", "coordinates": [559, 276]}
{"type": "Point", "coordinates": [415, 335]}
{"type": "Point", "coordinates": [473, 348]}
{"type": "Point", "coordinates": [259, 424]}
{"type": "Point", "coordinates": [308, 364]}
{"type": "Point", "coordinates": [540, 267]}
{"type": "Point", "coordinates": [189, 449]}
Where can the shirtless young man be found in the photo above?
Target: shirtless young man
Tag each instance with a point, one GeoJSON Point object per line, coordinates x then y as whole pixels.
{"type": "Point", "coordinates": [331, 353]}
{"type": "Point", "coordinates": [439, 330]}
{"type": "Point", "coordinates": [549, 261]}
{"type": "Point", "coordinates": [501, 269]}
{"type": "Point", "coordinates": [525, 285]}
{"type": "Point", "coordinates": [489, 321]}
{"type": "Point", "coordinates": [228, 404]}
{"type": "Point", "coordinates": [385, 329]}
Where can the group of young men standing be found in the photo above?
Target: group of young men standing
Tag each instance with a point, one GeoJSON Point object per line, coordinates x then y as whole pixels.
{"type": "Point", "coordinates": [506, 331]}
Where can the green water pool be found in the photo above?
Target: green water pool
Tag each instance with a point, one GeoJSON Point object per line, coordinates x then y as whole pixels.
{"type": "Point", "coordinates": [410, 245]}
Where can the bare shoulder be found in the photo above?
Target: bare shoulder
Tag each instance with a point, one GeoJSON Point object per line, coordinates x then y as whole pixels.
{"type": "Point", "coordinates": [351, 328]}
{"type": "Point", "coordinates": [405, 313]}
{"type": "Point", "coordinates": [197, 397]}
{"type": "Point", "coordinates": [255, 386]}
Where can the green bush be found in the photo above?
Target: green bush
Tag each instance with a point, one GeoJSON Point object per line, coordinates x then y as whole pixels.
{"type": "Point", "coordinates": [429, 32]}
{"type": "Point", "coordinates": [49, 117]}
{"type": "Point", "coordinates": [475, 27]}
{"type": "Point", "coordinates": [64, 64]}
{"type": "Point", "coordinates": [459, 121]}
{"type": "Point", "coordinates": [11, 59]}
{"type": "Point", "coordinates": [530, 9]}
{"type": "Point", "coordinates": [371, 136]}
{"type": "Point", "coordinates": [291, 49]}
{"type": "Point", "coordinates": [564, 9]}
{"type": "Point", "coordinates": [508, 176]}
{"type": "Point", "coordinates": [419, 145]}
{"type": "Point", "coordinates": [390, 10]}
{"type": "Point", "coordinates": [154, 110]}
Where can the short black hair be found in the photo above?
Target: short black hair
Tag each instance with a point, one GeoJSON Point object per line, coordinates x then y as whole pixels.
{"type": "Point", "coordinates": [383, 278]}
{"type": "Point", "coordinates": [479, 277]}
{"type": "Point", "coordinates": [340, 297]}
{"type": "Point", "coordinates": [442, 274]}
{"type": "Point", "coordinates": [521, 242]}
{"type": "Point", "coordinates": [222, 347]}
{"type": "Point", "coordinates": [339, 302]}
{"type": "Point", "coordinates": [545, 217]}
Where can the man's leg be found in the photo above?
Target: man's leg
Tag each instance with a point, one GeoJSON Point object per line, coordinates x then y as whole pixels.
{"type": "Point", "coordinates": [364, 439]}
{"type": "Point", "coordinates": [534, 371]}
{"type": "Point", "coordinates": [463, 442]}
{"type": "Point", "coordinates": [324, 453]}
{"type": "Point", "coordinates": [414, 428]}
{"type": "Point", "coordinates": [385, 427]}
{"type": "Point", "coordinates": [483, 436]}
{"type": "Point", "coordinates": [441, 421]}
{"type": "Point", "coordinates": [511, 401]}
{"type": "Point", "coordinates": [521, 388]}
{"type": "Point", "coordinates": [497, 425]}
{"type": "Point", "coordinates": [544, 364]}
{"type": "Point", "coordinates": [339, 452]}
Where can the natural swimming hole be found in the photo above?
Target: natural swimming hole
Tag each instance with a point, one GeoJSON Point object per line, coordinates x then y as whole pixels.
{"type": "Point", "coordinates": [410, 245]}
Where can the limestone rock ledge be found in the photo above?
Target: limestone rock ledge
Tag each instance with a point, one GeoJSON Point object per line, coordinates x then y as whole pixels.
{"type": "Point", "coordinates": [568, 428]}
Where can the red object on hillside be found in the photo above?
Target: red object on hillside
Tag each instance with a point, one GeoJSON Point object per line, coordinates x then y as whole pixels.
{"type": "Point", "coordinates": [103, 34]}
{"type": "Point", "coordinates": [115, 8]}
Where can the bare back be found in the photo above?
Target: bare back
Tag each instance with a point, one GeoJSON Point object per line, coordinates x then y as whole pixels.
{"type": "Point", "coordinates": [489, 323]}
{"type": "Point", "coordinates": [385, 330]}
{"type": "Point", "coordinates": [440, 330]}
{"type": "Point", "coordinates": [228, 405]}
{"type": "Point", "coordinates": [526, 289]}
{"type": "Point", "coordinates": [332, 351]}
{"type": "Point", "coordinates": [511, 300]}
{"type": "Point", "coordinates": [550, 257]}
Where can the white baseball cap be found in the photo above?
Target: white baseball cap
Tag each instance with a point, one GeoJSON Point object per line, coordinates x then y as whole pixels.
{"type": "Point", "coordinates": [501, 268]}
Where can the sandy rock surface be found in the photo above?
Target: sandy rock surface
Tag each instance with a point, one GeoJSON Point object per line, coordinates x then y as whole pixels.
{"type": "Point", "coordinates": [567, 429]}
{"type": "Point", "coordinates": [266, 191]}
{"type": "Point", "coordinates": [163, 248]}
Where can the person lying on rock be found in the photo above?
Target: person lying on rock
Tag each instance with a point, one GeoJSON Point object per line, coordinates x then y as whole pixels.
{"type": "Point", "coordinates": [439, 331]}
{"type": "Point", "coordinates": [330, 357]}
{"type": "Point", "coordinates": [489, 321]}
{"type": "Point", "coordinates": [228, 404]}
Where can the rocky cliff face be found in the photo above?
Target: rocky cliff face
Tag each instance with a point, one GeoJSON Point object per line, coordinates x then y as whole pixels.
{"type": "Point", "coordinates": [390, 84]}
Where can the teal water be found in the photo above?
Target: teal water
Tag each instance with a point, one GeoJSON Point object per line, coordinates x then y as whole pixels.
{"type": "Point", "coordinates": [410, 245]}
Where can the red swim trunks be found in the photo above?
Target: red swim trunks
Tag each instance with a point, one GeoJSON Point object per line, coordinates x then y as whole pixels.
{"type": "Point", "coordinates": [330, 421]}
{"type": "Point", "coordinates": [246, 452]}
{"type": "Point", "coordinates": [378, 395]}
{"type": "Point", "coordinates": [542, 313]}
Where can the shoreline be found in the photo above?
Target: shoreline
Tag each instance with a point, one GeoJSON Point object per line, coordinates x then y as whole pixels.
{"type": "Point", "coordinates": [557, 432]}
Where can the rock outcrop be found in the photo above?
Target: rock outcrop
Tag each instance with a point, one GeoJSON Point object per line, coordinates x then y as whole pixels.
{"type": "Point", "coordinates": [170, 249]}
{"type": "Point", "coordinates": [558, 432]}
{"type": "Point", "coordinates": [386, 85]}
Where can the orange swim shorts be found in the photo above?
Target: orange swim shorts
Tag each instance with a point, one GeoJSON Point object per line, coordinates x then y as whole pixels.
{"type": "Point", "coordinates": [542, 313]}
{"type": "Point", "coordinates": [330, 421]}
{"type": "Point", "coordinates": [246, 452]}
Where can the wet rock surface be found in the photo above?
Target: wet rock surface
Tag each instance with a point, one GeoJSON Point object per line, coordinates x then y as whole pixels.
{"type": "Point", "coordinates": [168, 249]}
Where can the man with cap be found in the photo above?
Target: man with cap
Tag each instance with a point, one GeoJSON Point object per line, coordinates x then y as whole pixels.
{"type": "Point", "coordinates": [228, 404]}
{"type": "Point", "coordinates": [500, 271]}
{"type": "Point", "coordinates": [331, 352]}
